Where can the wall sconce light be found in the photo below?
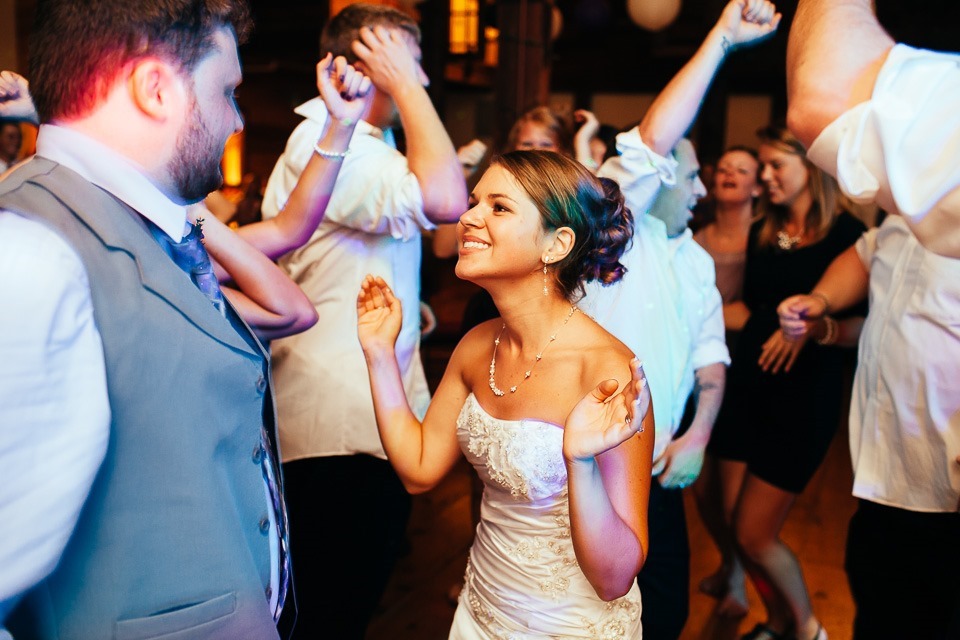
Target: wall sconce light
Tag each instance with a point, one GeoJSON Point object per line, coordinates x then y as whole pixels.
{"type": "Point", "coordinates": [491, 51]}
{"type": "Point", "coordinates": [232, 164]}
{"type": "Point", "coordinates": [464, 26]}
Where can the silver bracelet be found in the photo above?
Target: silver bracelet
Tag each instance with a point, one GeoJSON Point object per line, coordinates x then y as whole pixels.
{"type": "Point", "coordinates": [336, 156]}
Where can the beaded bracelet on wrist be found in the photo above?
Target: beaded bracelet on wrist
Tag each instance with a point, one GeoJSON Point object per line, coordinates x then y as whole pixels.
{"type": "Point", "coordinates": [336, 156]}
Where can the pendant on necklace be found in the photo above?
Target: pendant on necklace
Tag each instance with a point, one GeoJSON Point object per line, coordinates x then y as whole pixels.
{"type": "Point", "coordinates": [497, 391]}
{"type": "Point", "coordinates": [787, 242]}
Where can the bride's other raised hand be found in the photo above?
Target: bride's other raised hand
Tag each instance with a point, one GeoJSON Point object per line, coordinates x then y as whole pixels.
{"type": "Point", "coordinates": [379, 315]}
{"type": "Point", "coordinates": [602, 420]}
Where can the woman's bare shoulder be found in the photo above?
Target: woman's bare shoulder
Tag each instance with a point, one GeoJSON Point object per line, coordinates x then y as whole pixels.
{"type": "Point", "coordinates": [604, 356]}
{"type": "Point", "coordinates": [476, 347]}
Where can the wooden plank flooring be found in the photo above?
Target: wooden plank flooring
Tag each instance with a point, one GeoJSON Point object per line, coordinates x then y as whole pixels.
{"type": "Point", "coordinates": [416, 604]}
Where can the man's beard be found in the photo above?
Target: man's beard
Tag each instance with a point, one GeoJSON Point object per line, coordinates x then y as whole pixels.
{"type": "Point", "coordinates": [195, 168]}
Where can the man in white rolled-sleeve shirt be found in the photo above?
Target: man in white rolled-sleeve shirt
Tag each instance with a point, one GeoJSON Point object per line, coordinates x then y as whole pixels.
{"type": "Point", "coordinates": [883, 118]}
{"type": "Point", "coordinates": [667, 308]}
{"type": "Point", "coordinates": [348, 510]}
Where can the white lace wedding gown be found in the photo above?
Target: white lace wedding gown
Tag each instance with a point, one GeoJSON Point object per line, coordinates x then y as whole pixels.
{"type": "Point", "coordinates": [522, 579]}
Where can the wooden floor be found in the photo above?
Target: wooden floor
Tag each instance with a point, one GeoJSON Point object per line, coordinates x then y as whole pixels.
{"type": "Point", "coordinates": [417, 607]}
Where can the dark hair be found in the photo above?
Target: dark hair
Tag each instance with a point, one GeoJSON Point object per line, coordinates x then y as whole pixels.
{"type": "Point", "coordinates": [545, 117]}
{"type": "Point", "coordinates": [78, 47]}
{"type": "Point", "coordinates": [823, 191]}
{"type": "Point", "coordinates": [607, 133]}
{"type": "Point", "coordinates": [342, 29]}
{"type": "Point", "coordinates": [567, 195]}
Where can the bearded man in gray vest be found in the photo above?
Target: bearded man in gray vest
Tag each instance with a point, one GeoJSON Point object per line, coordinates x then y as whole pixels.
{"type": "Point", "coordinates": [140, 484]}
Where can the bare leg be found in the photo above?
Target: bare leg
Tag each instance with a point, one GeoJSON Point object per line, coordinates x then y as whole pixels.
{"type": "Point", "coordinates": [732, 474]}
{"type": "Point", "coordinates": [716, 493]}
{"type": "Point", "coordinates": [834, 53]}
{"type": "Point", "coordinates": [707, 492]}
{"type": "Point", "coordinates": [761, 512]}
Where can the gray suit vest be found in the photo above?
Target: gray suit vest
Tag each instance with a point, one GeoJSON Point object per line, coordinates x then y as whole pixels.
{"type": "Point", "coordinates": [172, 540]}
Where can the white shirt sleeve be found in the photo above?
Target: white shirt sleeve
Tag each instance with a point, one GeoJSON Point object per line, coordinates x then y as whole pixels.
{"type": "Point", "coordinates": [639, 171]}
{"type": "Point", "coordinates": [901, 147]}
{"type": "Point", "coordinates": [54, 409]}
{"type": "Point", "coordinates": [867, 245]}
{"type": "Point", "coordinates": [710, 345]}
{"type": "Point", "coordinates": [375, 191]}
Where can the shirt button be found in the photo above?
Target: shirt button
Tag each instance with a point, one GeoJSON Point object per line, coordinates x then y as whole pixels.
{"type": "Point", "coordinates": [268, 592]}
{"type": "Point", "coordinates": [261, 384]}
{"type": "Point", "coordinates": [257, 454]}
{"type": "Point", "coordinates": [264, 525]}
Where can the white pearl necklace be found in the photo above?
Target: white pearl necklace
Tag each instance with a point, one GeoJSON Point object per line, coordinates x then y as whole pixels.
{"type": "Point", "coordinates": [526, 374]}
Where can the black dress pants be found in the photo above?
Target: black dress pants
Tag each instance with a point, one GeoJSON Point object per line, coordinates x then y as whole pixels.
{"type": "Point", "coordinates": [904, 573]}
{"type": "Point", "coordinates": [348, 521]}
{"type": "Point", "coordinates": [665, 578]}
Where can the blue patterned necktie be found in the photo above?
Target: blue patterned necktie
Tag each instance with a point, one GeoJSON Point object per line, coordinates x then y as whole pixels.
{"type": "Point", "coordinates": [268, 465]}
{"type": "Point", "coordinates": [191, 256]}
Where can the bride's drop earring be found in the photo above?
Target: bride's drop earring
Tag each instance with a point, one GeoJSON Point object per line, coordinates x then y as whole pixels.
{"type": "Point", "coordinates": [545, 261]}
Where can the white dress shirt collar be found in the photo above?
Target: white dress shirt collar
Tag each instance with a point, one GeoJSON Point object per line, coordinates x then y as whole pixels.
{"type": "Point", "coordinates": [113, 173]}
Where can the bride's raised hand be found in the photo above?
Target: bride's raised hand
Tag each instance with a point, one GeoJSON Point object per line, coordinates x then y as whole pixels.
{"type": "Point", "coordinates": [379, 315]}
{"type": "Point", "coordinates": [345, 90]}
{"type": "Point", "coordinates": [602, 420]}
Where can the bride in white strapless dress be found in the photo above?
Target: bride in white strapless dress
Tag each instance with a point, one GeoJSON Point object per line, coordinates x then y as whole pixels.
{"type": "Point", "coordinates": [522, 579]}
{"type": "Point", "coordinates": [553, 411]}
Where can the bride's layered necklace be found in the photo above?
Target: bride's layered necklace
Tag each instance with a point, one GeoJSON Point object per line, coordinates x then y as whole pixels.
{"type": "Point", "coordinates": [526, 374]}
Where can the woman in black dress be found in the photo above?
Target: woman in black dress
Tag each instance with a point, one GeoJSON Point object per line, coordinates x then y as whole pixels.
{"type": "Point", "coordinates": [783, 399]}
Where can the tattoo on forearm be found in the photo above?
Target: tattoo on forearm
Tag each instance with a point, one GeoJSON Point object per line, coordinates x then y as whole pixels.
{"type": "Point", "coordinates": [706, 386]}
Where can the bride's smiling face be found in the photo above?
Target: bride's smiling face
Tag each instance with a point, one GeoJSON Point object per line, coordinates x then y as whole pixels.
{"type": "Point", "coordinates": [502, 232]}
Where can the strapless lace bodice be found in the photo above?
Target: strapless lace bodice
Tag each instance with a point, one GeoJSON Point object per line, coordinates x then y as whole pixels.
{"type": "Point", "coordinates": [522, 579]}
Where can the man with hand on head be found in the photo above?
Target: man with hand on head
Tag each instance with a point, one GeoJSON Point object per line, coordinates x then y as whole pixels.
{"type": "Point", "coordinates": [667, 308]}
{"type": "Point", "coordinates": [349, 510]}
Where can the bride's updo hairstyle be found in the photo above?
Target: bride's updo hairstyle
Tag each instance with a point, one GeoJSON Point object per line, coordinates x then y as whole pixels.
{"type": "Point", "coordinates": [567, 195]}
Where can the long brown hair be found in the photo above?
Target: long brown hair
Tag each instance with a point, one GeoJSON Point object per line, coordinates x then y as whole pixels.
{"type": "Point", "coordinates": [823, 191]}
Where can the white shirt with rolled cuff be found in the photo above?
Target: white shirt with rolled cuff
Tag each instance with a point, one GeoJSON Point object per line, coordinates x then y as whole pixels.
{"type": "Point", "coordinates": [901, 148]}
{"type": "Point", "coordinates": [373, 224]}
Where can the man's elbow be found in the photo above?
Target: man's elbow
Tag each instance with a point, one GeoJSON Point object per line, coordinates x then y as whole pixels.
{"type": "Point", "coordinates": [444, 206]}
{"type": "Point", "coordinates": [807, 117]}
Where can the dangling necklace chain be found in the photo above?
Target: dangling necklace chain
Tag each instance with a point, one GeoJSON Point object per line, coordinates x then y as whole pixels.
{"type": "Point", "coordinates": [526, 374]}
